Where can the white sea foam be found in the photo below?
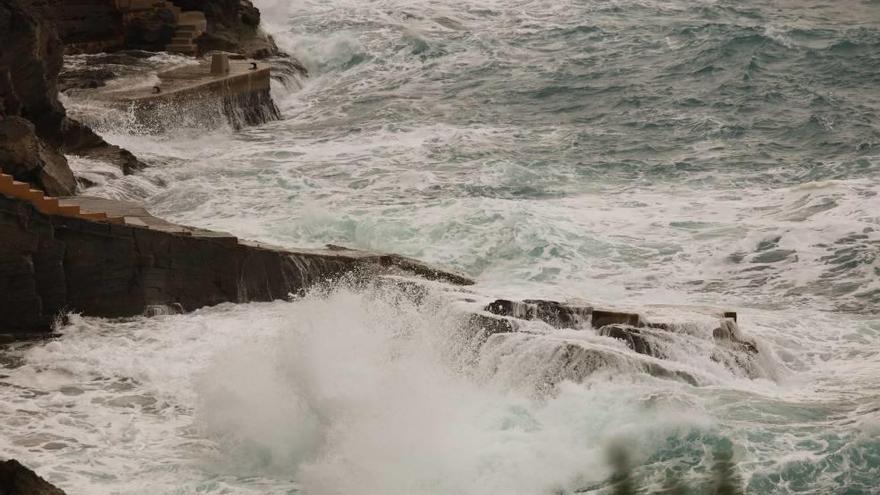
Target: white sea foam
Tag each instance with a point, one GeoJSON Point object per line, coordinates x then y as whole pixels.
{"type": "Point", "coordinates": [412, 136]}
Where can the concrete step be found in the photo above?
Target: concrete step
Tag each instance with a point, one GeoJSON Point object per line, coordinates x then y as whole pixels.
{"type": "Point", "coordinates": [188, 49]}
{"type": "Point", "coordinates": [34, 195]}
{"type": "Point", "coordinates": [48, 206]}
{"type": "Point", "coordinates": [68, 210]}
{"type": "Point", "coordinates": [93, 215]}
{"type": "Point", "coordinates": [181, 40]}
{"type": "Point", "coordinates": [16, 189]}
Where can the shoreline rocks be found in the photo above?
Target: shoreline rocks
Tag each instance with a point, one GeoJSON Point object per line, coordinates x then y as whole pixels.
{"type": "Point", "coordinates": [16, 479]}
{"type": "Point", "coordinates": [233, 26]}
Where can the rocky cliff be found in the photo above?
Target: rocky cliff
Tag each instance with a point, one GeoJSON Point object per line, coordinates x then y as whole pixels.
{"type": "Point", "coordinates": [35, 131]}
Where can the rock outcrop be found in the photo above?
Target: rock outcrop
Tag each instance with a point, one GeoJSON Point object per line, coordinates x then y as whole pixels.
{"type": "Point", "coordinates": [15, 479]}
{"type": "Point", "coordinates": [233, 26]}
{"type": "Point", "coordinates": [50, 264]}
{"type": "Point", "coordinates": [35, 131]}
{"type": "Point", "coordinates": [30, 159]}
{"type": "Point", "coordinates": [720, 337]}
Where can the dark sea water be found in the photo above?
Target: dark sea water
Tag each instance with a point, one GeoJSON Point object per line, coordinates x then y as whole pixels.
{"type": "Point", "coordinates": [620, 152]}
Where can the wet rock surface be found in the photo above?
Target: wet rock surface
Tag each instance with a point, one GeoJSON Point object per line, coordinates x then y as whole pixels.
{"type": "Point", "coordinates": [51, 264]}
{"type": "Point", "coordinates": [642, 335]}
{"type": "Point", "coordinates": [551, 312]}
{"type": "Point", "coordinates": [16, 479]}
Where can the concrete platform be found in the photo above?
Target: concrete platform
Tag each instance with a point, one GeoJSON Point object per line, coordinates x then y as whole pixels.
{"type": "Point", "coordinates": [193, 95]}
{"type": "Point", "coordinates": [197, 81]}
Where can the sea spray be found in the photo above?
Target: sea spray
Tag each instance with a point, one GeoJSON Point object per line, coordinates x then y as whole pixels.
{"type": "Point", "coordinates": [364, 391]}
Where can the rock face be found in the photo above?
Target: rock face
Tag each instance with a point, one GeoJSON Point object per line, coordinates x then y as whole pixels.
{"type": "Point", "coordinates": [35, 131]}
{"type": "Point", "coordinates": [233, 26]}
{"type": "Point", "coordinates": [31, 160]}
{"type": "Point", "coordinates": [94, 26]}
{"type": "Point", "coordinates": [84, 26]}
{"type": "Point", "coordinates": [51, 264]}
{"type": "Point", "coordinates": [149, 30]}
{"type": "Point", "coordinates": [16, 479]}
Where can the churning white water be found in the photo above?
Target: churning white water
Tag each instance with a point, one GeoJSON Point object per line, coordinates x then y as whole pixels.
{"type": "Point", "coordinates": [629, 153]}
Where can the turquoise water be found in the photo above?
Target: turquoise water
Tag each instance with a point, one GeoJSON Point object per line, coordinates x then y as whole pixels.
{"type": "Point", "coordinates": [626, 152]}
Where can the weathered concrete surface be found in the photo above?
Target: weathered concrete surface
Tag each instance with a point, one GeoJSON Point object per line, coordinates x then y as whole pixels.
{"type": "Point", "coordinates": [241, 95]}
{"type": "Point", "coordinates": [16, 479]}
{"type": "Point", "coordinates": [197, 80]}
{"type": "Point", "coordinates": [50, 264]}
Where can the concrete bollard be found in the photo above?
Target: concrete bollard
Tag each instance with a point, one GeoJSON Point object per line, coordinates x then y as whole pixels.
{"type": "Point", "coordinates": [219, 64]}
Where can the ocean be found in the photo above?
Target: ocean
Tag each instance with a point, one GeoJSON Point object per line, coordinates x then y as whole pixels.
{"type": "Point", "coordinates": [635, 153]}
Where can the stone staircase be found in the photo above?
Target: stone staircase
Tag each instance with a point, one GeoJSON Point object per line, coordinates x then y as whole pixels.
{"type": "Point", "coordinates": [190, 25]}
{"type": "Point", "coordinates": [49, 205]}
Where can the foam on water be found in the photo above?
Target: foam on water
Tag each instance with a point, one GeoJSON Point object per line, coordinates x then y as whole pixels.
{"type": "Point", "coordinates": [362, 392]}
{"type": "Point", "coordinates": [627, 152]}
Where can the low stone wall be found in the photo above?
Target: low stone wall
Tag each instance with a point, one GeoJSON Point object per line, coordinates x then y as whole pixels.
{"type": "Point", "coordinates": [51, 264]}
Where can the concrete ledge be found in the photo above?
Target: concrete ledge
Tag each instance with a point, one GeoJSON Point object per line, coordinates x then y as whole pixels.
{"type": "Point", "coordinates": [192, 93]}
{"type": "Point", "coordinates": [51, 264]}
{"type": "Point", "coordinates": [198, 81]}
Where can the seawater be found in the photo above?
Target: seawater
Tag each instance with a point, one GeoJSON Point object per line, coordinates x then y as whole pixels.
{"type": "Point", "coordinates": [626, 152]}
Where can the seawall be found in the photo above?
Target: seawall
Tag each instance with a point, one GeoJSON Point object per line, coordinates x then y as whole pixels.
{"type": "Point", "coordinates": [130, 263]}
{"type": "Point", "coordinates": [240, 94]}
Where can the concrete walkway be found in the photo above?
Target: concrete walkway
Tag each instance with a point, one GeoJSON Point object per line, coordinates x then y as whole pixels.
{"type": "Point", "coordinates": [243, 77]}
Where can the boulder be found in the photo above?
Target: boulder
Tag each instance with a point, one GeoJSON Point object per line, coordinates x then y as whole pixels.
{"type": "Point", "coordinates": [15, 479]}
